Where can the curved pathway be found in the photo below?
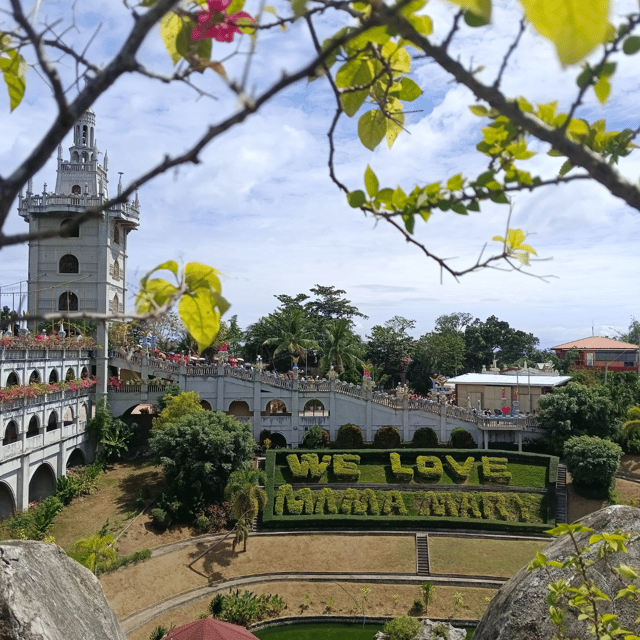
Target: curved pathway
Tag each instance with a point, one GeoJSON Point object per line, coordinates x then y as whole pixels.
{"type": "Point", "coordinates": [137, 619]}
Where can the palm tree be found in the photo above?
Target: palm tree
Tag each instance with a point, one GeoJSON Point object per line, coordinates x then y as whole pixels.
{"type": "Point", "coordinates": [242, 533]}
{"type": "Point", "coordinates": [89, 551]}
{"type": "Point", "coordinates": [246, 493]}
{"type": "Point", "coordinates": [342, 347]}
{"type": "Point", "coordinates": [292, 333]}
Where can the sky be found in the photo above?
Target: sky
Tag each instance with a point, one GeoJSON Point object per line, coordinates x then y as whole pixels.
{"type": "Point", "coordinates": [262, 209]}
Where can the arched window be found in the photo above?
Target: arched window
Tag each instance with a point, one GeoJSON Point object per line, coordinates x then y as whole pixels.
{"type": "Point", "coordinates": [116, 270]}
{"type": "Point", "coordinates": [75, 157]}
{"type": "Point", "coordinates": [34, 377]}
{"type": "Point", "coordinates": [69, 264]}
{"type": "Point", "coordinates": [116, 234]}
{"type": "Point", "coordinates": [84, 135]}
{"type": "Point", "coordinates": [52, 423]}
{"type": "Point", "coordinates": [10, 433]}
{"type": "Point", "coordinates": [33, 427]}
{"type": "Point", "coordinates": [76, 190]}
{"type": "Point", "coordinates": [68, 301]}
{"type": "Point", "coordinates": [71, 374]}
{"type": "Point", "coordinates": [12, 380]}
{"type": "Point", "coordinates": [53, 376]}
{"type": "Point", "coordinates": [69, 229]}
{"type": "Point", "coordinates": [115, 304]}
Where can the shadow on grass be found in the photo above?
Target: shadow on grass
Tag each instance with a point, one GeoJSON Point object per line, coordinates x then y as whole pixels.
{"type": "Point", "coordinates": [221, 555]}
{"type": "Point", "coordinates": [146, 476]}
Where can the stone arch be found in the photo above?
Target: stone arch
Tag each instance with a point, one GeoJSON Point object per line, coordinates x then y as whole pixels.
{"type": "Point", "coordinates": [69, 229]}
{"type": "Point", "coordinates": [206, 405]}
{"type": "Point", "coordinates": [67, 416]}
{"type": "Point", "coordinates": [85, 156]}
{"type": "Point", "coordinates": [76, 190]}
{"type": "Point", "coordinates": [7, 501]}
{"type": "Point", "coordinates": [84, 373]}
{"type": "Point", "coordinates": [71, 374]}
{"type": "Point", "coordinates": [10, 433]}
{"type": "Point", "coordinates": [34, 377]}
{"type": "Point", "coordinates": [278, 441]}
{"type": "Point", "coordinates": [84, 135]}
{"type": "Point", "coordinates": [116, 270]}
{"type": "Point", "coordinates": [76, 459]}
{"type": "Point", "coordinates": [42, 483]}
{"type": "Point", "coordinates": [68, 264]}
{"type": "Point", "coordinates": [83, 413]}
{"type": "Point", "coordinates": [12, 379]}
{"type": "Point", "coordinates": [115, 304]}
{"type": "Point", "coordinates": [116, 233]}
{"type": "Point", "coordinates": [52, 423]}
{"type": "Point", "coordinates": [75, 157]}
{"type": "Point", "coordinates": [239, 408]}
{"type": "Point", "coordinates": [53, 376]}
{"type": "Point", "coordinates": [275, 407]}
{"type": "Point", "coordinates": [34, 427]}
{"type": "Point", "coordinates": [68, 301]}
{"type": "Point", "coordinates": [314, 406]}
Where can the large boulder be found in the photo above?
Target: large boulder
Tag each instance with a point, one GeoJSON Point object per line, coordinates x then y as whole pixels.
{"type": "Point", "coordinates": [45, 595]}
{"type": "Point", "coordinates": [519, 611]}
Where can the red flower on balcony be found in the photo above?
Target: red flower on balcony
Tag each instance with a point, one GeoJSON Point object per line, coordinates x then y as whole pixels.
{"type": "Point", "coordinates": [216, 24]}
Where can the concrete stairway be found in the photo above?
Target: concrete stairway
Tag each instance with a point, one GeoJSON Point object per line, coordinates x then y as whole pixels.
{"type": "Point", "coordinates": [422, 554]}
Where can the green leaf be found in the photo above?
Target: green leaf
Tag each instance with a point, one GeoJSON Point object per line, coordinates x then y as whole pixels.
{"type": "Point", "coordinates": [235, 7]}
{"type": "Point", "coordinates": [499, 198]}
{"type": "Point", "coordinates": [371, 182]}
{"type": "Point", "coordinates": [201, 317]}
{"type": "Point", "coordinates": [352, 101]}
{"type": "Point", "coordinates": [524, 105]}
{"type": "Point", "coordinates": [356, 199]}
{"type": "Point", "coordinates": [394, 127]}
{"type": "Point", "coordinates": [14, 68]}
{"type": "Point", "coordinates": [458, 207]}
{"type": "Point", "coordinates": [412, 6]}
{"type": "Point", "coordinates": [201, 276]}
{"type": "Point", "coordinates": [409, 222]}
{"type": "Point", "coordinates": [154, 293]}
{"type": "Point", "coordinates": [399, 199]}
{"type": "Point", "coordinates": [575, 27]}
{"type": "Point", "coordinates": [170, 28]}
{"type": "Point", "coordinates": [299, 7]}
{"type": "Point", "coordinates": [479, 110]}
{"type": "Point", "coordinates": [474, 205]}
{"type": "Point", "coordinates": [481, 8]}
{"type": "Point", "coordinates": [372, 128]}
{"type": "Point", "coordinates": [566, 167]}
{"type": "Point", "coordinates": [578, 127]}
{"type": "Point", "coordinates": [398, 57]}
{"type": "Point", "coordinates": [455, 183]}
{"type": "Point", "coordinates": [409, 91]}
{"type": "Point", "coordinates": [356, 72]}
{"type": "Point", "coordinates": [475, 21]}
{"type": "Point", "coordinates": [602, 88]}
{"type": "Point", "coordinates": [631, 45]}
{"type": "Point", "coordinates": [422, 24]}
{"type": "Point", "coordinates": [385, 196]}
{"type": "Point", "coordinates": [170, 265]}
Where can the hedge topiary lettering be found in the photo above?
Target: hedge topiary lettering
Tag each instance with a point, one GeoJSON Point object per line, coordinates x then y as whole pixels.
{"type": "Point", "coordinates": [345, 467]}
{"type": "Point", "coordinates": [403, 474]}
{"type": "Point", "coordinates": [325, 502]}
{"type": "Point", "coordinates": [460, 472]}
{"type": "Point", "coordinates": [393, 503]}
{"type": "Point", "coordinates": [429, 468]}
{"type": "Point", "coordinates": [495, 470]}
{"type": "Point", "coordinates": [309, 465]}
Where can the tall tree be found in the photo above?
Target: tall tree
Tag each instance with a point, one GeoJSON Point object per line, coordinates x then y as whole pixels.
{"type": "Point", "coordinates": [452, 322]}
{"type": "Point", "coordinates": [391, 347]}
{"type": "Point", "coordinates": [436, 354]}
{"type": "Point", "coordinates": [291, 333]}
{"type": "Point", "coordinates": [342, 348]}
{"type": "Point", "coordinates": [330, 304]}
{"type": "Point", "coordinates": [494, 338]}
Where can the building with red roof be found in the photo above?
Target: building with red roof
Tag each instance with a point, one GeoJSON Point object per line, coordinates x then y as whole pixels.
{"type": "Point", "coordinates": [209, 629]}
{"type": "Point", "coordinates": [605, 354]}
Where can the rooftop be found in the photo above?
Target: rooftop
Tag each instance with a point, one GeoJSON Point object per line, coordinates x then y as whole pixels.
{"type": "Point", "coordinates": [597, 342]}
{"type": "Point", "coordinates": [501, 380]}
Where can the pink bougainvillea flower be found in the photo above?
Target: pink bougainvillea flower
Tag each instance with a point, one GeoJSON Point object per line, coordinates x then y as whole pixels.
{"type": "Point", "coordinates": [216, 24]}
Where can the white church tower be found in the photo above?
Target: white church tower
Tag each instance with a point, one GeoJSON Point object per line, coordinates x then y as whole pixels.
{"type": "Point", "coordinates": [85, 269]}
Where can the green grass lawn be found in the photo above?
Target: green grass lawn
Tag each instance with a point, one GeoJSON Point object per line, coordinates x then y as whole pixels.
{"type": "Point", "coordinates": [523, 475]}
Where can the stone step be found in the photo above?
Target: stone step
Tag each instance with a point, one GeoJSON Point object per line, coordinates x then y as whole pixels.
{"type": "Point", "coordinates": [561, 495]}
{"type": "Point", "coordinates": [422, 554]}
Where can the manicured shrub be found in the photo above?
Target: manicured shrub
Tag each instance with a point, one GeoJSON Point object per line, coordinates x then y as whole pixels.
{"type": "Point", "coordinates": [345, 467]}
{"type": "Point", "coordinates": [495, 470]}
{"type": "Point", "coordinates": [316, 438]}
{"type": "Point", "coordinates": [592, 462]}
{"type": "Point", "coordinates": [387, 438]}
{"type": "Point", "coordinates": [349, 437]}
{"type": "Point", "coordinates": [218, 515]}
{"type": "Point", "coordinates": [403, 474]}
{"type": "Point", "coordinates": [403, 627]}
{"type": "Point", "coordinates": [202, 523]}
{"type": "Point", "coordinates": [425, 438]}
{"type": "Point", "coordinates": [462, 439]}
{"type": "Point", "coordinates": [309, 464]}
{"type": "Point", "coordinates": [161, 519]}
{"type": "Point", "coordinates": [460, 472]}
{"type": "Point", "coordinates": [429, 468]}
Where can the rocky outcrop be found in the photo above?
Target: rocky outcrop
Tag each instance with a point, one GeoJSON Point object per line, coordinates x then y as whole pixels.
{"type": "Point", "coordinates": [433, 631]}
{"type": "Point", "coordinates": [45, 595]}
{"type": "Point", "coordinates": [519, 610]}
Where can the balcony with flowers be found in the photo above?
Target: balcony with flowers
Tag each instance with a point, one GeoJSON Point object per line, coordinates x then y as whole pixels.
{"type": "Point", "coordinates": [34, 393]}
